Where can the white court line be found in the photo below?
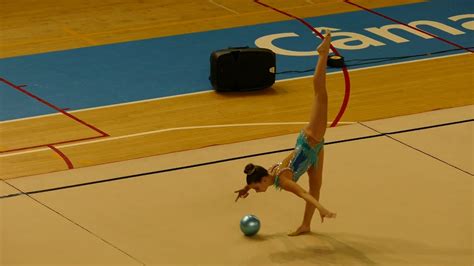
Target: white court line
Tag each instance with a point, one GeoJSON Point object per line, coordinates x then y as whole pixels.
{"type": "Point", "coordinates": [161, 131]}
{"type": "Point", "coordinates": [224, 7]}
{"type": "Point", "coordinates": [210, 91]}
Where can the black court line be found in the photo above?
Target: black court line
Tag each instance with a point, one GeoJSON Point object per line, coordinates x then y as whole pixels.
{"type": "Point", "coordinates": [229, 159]}
{"type": "Point", "coordinates": [83, 228]}
{"type": "Point", "coordinates": [412, 147]}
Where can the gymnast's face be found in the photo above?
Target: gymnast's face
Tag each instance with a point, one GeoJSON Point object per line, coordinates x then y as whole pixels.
{"type": "Point", "coordinates": [263, 185]}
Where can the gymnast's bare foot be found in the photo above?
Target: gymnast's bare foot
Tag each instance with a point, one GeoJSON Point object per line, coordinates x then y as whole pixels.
{"type": "Point", "coordinates": [323, 48]}
{"type": "Point", "coordinates": [303, 229]}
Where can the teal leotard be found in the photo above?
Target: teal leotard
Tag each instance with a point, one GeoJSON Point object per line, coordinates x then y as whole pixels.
{"type": "Point", "coordinates": [304, 157]}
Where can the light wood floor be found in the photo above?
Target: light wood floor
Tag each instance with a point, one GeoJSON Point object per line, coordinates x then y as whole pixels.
{"type": "Point", "coordinates": [376, 93]}
{"type": "Point", "coordinates": [30, 27]}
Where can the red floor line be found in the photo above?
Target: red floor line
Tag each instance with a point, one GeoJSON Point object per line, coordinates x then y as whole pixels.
{"type": "Point", "coordinates": [399, 22]}
{"type": "Point", "coordinates": [49, 144]}
{"type": "Point", "coordinates": [344, 68]}
{"type": "Point", "coordinates": [53, 106]}
{"type": "Point", "coordinates": [63, 156]}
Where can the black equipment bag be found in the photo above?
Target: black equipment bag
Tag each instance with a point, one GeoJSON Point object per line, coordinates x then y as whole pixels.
{"type": "Point", "coordinates": [242, 69]}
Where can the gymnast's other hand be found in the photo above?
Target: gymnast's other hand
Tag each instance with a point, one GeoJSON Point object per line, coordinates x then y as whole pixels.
{"type": "Point", "coordinates": [242, 193]}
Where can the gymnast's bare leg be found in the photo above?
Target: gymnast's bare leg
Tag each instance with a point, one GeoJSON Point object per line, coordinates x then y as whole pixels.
{"type": "Point", "coordinates": [316, 129]}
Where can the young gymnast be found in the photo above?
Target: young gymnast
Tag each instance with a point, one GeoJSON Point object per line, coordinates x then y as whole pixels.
{"type": "Point", "coordinates": [308, 155]}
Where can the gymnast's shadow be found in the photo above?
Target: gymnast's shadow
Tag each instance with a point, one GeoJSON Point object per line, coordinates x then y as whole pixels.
{"type": "Point", "coordinates": [350, 249]}
{"type": "Point", "coordinates": [327, 250]}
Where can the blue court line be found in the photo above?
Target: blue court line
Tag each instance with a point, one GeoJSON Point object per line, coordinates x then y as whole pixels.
{"type": "Point", "coordinates": [146, 69]}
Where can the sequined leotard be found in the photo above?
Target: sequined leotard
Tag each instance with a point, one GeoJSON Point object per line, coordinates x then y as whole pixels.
{"type": "Point", "coordinates": [304, 157]}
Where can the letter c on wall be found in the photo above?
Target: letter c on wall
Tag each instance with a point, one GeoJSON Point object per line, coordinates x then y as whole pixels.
{"type": "Point", "coordinates": [267, 42]}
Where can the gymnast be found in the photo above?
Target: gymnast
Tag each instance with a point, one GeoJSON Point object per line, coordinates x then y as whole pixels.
{"type": "Point", "coordinates": [308, 155]}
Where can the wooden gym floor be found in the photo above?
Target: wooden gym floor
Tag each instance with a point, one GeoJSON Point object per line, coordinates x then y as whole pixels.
{"type": "Point", "coordinates": [158, 189]}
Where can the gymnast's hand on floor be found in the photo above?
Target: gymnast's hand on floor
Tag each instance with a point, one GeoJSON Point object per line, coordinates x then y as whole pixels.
{"type": "Point", "coordinates": [326, 214]}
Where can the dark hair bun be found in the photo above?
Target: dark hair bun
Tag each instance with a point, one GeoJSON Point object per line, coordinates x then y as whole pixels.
{"type": "Point", "coordinates": [249, 168]}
